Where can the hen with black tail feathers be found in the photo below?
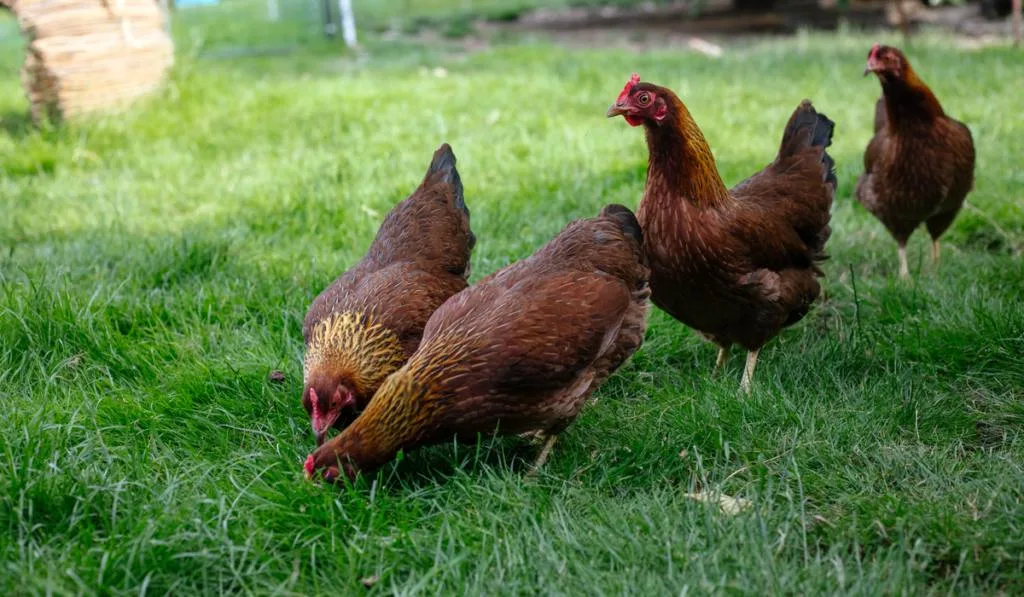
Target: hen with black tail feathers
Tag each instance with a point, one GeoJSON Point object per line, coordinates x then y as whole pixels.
{"type": "Point", "coordinates": [736, 265]}
{"type": "Point", "coordinates": [368, 322]}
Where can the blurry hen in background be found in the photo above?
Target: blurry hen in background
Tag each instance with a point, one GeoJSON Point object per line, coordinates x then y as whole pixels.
{"type": "Point", "coordinates": [369, 321]}
{"type": "Point", "coordinates": [919, 166]}
{"type": "Point", "coordinates": [519, 352]}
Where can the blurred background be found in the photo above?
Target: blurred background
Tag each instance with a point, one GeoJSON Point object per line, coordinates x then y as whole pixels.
{"type": "Point", "coordinates": [182, 90]}
{"type": "Point", "coordinates": [66, 73]}
{"type": "Point", "coordinates": [236, 19]}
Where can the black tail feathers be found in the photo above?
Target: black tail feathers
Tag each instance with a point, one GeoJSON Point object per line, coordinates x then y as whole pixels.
{"type": "Point", "coordinates": [625, 219]}
{"type": "Point", "coordinates": [818, 133]}
{"type": "Point", "coordinates": [821, 136]}
{"type": "Point", "coordinates": [444, 162]}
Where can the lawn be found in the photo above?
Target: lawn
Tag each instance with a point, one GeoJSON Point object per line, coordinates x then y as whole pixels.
{"type": "Point", "coordinates": [156, 266]}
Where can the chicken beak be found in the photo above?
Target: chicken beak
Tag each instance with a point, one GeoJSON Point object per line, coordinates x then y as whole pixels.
{"type": "Point", "coordinates": [321, 433]}
{"type": "Point", "coordinates": [615, 110]}
{"type": "Point", "coordinates": [867, 70]}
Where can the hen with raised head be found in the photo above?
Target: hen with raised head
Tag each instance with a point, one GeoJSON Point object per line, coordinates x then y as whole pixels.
{"type": "Point", "coordinates": [519, 352]}
{"type": "Point", "coordinates": [736, 265]}
{"type": "Point", "coordinates": [919, 166]}
{"type": "Point", "coordinates": [368, 322]}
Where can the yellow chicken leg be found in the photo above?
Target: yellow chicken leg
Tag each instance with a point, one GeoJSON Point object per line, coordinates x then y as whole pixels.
{"type": "Point", "coordinates": [748, 371]}
{"type": "Point", "coordinates": [935, 251]}
{"type": "Point", "coordinates": [723, 357]}
{"type": "Point", "coordinates": [543, 456]}
{"type": "Point", "coordinates": [904, 268]}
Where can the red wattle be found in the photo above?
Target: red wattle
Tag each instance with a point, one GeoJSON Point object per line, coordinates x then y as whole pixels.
{"type": "Point", "coordinates": [309, 466]}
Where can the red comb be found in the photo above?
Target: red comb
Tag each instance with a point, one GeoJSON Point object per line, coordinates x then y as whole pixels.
{"type": "Point", "coordinates": [873, 55]}
{"type": "Point", "coordinates": [309, 466]}
{"type": "Point", "coordinates": [629, 87]}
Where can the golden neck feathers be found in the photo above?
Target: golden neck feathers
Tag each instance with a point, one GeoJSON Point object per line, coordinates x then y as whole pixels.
{"type": "Point", "coordinates": [354, 347]}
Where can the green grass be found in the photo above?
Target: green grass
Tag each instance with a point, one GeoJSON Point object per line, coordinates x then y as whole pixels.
{"type": "Point", "coordinates": [156, 265]}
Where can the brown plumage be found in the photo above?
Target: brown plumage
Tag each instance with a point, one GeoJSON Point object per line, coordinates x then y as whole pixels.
{"type": "Point", "coordinates": [919, 166]}
{"type": "Point", "coordinates": [518, 352]}
{"type": "Point", "coordinates": [368, 322]}
{"type": "Point", "coordinates": [737, 265]}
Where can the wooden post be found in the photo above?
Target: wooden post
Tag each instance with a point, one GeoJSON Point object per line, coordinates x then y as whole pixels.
{"type": "Point", "coordinates": [348, 22]}
{"type": "Point", "coordinates": [1016, 23]}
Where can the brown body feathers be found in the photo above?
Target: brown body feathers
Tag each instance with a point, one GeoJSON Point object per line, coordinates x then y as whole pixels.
{"type": "Point", "coordinates": [737, 265]}
{"type": "Point", "coordinates": [919, 166]}
{"type": "Point", "coordinates": [518, 352]}
{"type": "Point", "coordinates": [369, 321]}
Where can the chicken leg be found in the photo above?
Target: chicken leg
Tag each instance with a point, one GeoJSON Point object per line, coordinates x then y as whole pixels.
{"type": "Point", "coordinates": [544, 453]}
{"type": "Point", "coordinates": [723, 356]}
{"type": "Point", "coordinates": [904, 268]}
{"type": "Point", "coordinates": [748, 371]}
{"type": "Point", "coordinates": [935, 251]}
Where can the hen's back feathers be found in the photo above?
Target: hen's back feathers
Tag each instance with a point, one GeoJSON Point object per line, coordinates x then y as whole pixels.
{"type": "Point", "coordinates": [790, 201]}
{"type": "Point", "coordinates": [431, 227]}
{"type": "Point", "coordinates": [533, 339]}
{"type": "Point", "coordinates": [625, 219]}
{"type": "Point", "coordinates": [418, 259]}
{"type": "Point", "coordinates": [807, 128]}
{"type": "Point", "coordinates": [444, 165]}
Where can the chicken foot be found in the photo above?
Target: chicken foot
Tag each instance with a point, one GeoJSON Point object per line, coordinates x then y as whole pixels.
{"type": "Point", "coordinates": [534, 437]}
{"type": "Point", "coordinates": [748, 371]}
{"type": "Point", "coordinates": [904, 268]}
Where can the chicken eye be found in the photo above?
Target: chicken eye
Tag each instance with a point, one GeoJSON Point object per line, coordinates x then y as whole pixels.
{"type": "Point", "coordinates": [644, 98]}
